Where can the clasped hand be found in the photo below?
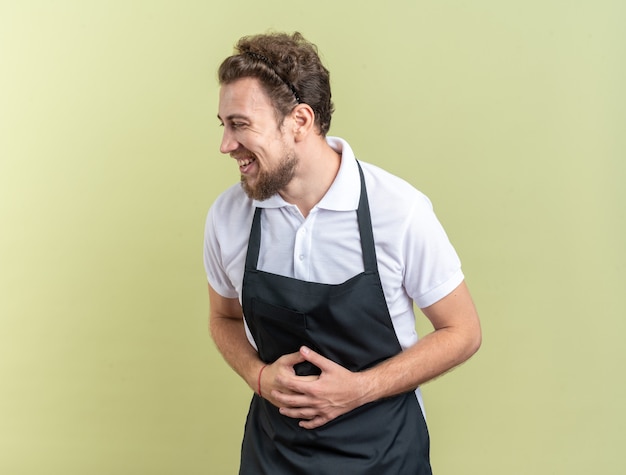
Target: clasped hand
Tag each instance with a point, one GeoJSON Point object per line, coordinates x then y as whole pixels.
{"type": "Point", "coordinates": [315, 400]}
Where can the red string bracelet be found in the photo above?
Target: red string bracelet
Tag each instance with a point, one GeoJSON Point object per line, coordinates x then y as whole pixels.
{"type": "Point", "coordinates": [259, 380]}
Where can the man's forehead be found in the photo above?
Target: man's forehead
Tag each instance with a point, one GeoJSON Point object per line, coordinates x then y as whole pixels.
{"type": "Point", "coordinates": [243, 97]}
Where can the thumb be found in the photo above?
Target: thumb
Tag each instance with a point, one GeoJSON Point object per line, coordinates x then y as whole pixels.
{"type": "Point", "coordinates": [291, 359]}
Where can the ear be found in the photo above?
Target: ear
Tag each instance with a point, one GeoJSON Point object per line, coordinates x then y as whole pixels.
{"type": "Point", "coordinates": [303, 120]}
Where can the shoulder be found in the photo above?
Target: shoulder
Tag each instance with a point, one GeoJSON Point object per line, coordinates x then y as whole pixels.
{"type": "Point", "coordinates": [231, 199]}
{"type": "Point", "coordinates": [231, 211]}
{"type": "Point", "coordinates": [391, 195]}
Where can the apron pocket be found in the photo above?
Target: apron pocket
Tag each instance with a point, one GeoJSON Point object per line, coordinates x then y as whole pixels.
{"type": "Point", "coordinates": [282, 331]}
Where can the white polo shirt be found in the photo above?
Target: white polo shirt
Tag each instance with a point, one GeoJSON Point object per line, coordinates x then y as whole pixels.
{"type": "Point", "coordinates": [416, 261]}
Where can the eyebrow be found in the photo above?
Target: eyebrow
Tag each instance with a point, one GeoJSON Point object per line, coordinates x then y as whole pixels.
{"type": "Point", "coordinates": [233, 116]}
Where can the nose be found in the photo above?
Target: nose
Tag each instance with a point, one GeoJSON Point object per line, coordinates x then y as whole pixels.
{"type": "Point", "coordinates": [229, 144]}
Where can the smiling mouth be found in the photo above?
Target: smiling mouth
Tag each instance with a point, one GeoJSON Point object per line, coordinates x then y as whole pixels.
{"type": "Point", "coordinates": [244, 162]}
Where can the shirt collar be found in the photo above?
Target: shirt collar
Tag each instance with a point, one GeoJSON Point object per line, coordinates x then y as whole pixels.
{"type": "Point", "coordinates": [343, 194]}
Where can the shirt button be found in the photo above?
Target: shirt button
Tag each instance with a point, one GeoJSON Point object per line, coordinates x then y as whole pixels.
{"type": "Point", "coordinates": [301, 257]}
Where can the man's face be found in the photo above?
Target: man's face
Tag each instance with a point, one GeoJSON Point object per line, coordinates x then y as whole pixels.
{"type": "Point", "coordinates": [253, 137]}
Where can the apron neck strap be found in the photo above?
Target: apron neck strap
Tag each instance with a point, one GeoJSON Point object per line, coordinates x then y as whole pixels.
{"type": "Point", "coordinates": [365, 228]}
{"type": "Point", "coordinates": [254, 243]}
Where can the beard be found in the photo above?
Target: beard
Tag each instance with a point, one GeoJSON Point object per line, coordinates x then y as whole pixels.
{"type": "Point", "coordinates": [270, 182]}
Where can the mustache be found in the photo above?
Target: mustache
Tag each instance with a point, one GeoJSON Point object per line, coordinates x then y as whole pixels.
{"type": "Point", "coordinates": [242, 153]}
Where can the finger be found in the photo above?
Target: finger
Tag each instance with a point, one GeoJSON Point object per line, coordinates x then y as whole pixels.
{"type": "Point", "coordinates": [291, 400]}
{"type": "Point", "coordinates": [318, 360]}
{"type": "Point", "coordinates": [314, 423]}
{"type": "Point", "coordinates": [306, 414]}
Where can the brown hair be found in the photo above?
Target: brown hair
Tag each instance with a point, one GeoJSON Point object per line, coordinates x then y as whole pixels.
{"type": "Point", "coordinates": [289, 69]}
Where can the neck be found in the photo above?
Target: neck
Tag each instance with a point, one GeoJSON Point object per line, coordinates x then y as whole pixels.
{"type": "Point", "coordinates": [317, 168]}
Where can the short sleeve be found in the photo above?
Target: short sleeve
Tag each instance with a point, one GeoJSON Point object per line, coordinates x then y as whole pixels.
{"type": "Point", "coordinates": [432, 266]}
{"type": "Point", "coordinates": [213, 259]}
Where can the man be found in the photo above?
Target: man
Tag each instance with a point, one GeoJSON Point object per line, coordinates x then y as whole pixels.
{"type": "Point", "coordinates": [314, 262]}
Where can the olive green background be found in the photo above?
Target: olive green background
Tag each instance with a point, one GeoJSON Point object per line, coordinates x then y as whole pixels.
{"type": "Point", "coordinates": [511, 116]}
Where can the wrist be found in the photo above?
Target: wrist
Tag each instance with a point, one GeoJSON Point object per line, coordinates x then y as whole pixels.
{"type": "Point", "coordinates": [259, 388]}
{"type": "Point", "coordinates": [370, 386]}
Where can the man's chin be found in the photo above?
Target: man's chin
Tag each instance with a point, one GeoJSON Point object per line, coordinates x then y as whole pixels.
{"type": "Point", "coordinates": [253, 192]}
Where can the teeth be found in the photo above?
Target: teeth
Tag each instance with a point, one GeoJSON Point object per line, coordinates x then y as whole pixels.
{"type": "Point", "coordinates": [242, 162]}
